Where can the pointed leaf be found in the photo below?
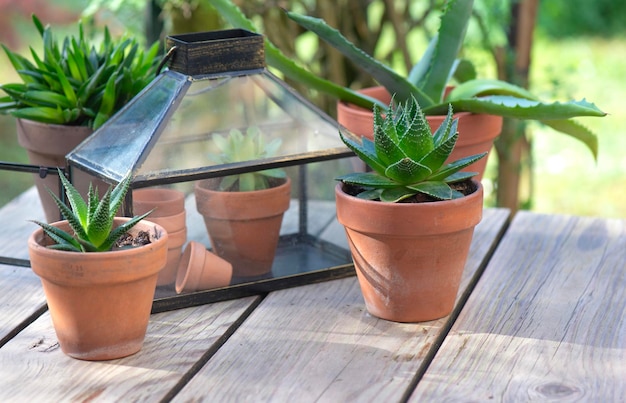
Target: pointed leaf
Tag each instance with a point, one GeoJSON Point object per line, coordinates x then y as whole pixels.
{"type": "Point", "coordinates": [454, 167]}
{"type": "Point", "coordinates": [62, 238]}
{"type": "Point", "coordinates": [396, 194]}
{"type": "Point", "coordinates": [436, 189]}
{"type": "Point", "coordinates": [365, 151]}
{"type": "Point", "coordinates": [437, 157]}
{"type": "Point", "coordinates": [519, 108]}
{"type": "Point", "coordinates": [484, 87]}
{"type": "Point", "coordinates": [78, 204]}
{"type": "Point", "coordinates": [395, 83]}
{"type": "Point", "coordinates": [454, 22]}
{"type": "Point", "coordinates": [368, 179]}
{"type": "Point", "coordinates": [407, 171]}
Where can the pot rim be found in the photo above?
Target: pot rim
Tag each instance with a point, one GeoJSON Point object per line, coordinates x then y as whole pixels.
{"type": "Point", "coordinates": [410, 216]}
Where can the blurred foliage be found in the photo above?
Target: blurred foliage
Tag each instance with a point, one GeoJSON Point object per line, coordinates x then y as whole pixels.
{"type": "Point", "coordinates": [567, 18]}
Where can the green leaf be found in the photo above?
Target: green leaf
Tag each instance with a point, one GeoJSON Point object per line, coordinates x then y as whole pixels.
{"type": "Point", "coordinates": [368, 179]}
{"type": "Point", "coordinates": [99, 224]}
{"type": "Point", "coordinates": [40, 114]}
{"type": "Point", "coordinates": [407, 171]}
{"type": "Point", "coordinates": [454, 22]}
{"type": "Point", "coordinates": [386, 76]}
{"type": "Point", "coordinates": [396, 195]}
{"type": "Point", "coordinates": [455, 166]}
{"type": "Point", "coordinates": [436, 189]}
{"type": "Point", "coordinates": [64, 240]}
{"type": "Point", "coordinates": [483, 87]}
{"type": "Point", "coordinates": [512, 107]}
{"type": "Point", "coordinates": [78, 204]}
{"type": "Point", "coordinates": [365, 151]}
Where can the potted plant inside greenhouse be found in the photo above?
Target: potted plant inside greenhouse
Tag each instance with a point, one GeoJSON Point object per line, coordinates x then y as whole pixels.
{"type": "Point", "coordinates": [68, 90]}
{"type": "Point", "coordinates": [476, 101]}
{"type": "Point", "coordinates": [98, 272]}
{"type": "Point", "coordinates": [243, 213]}
{"type": "Point", "coordinates": [410, 221]}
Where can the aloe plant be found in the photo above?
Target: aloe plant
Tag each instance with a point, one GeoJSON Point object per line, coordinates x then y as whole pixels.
{"type": "Point", "coordinates": [429, 77]}
{"type": "Point", "coordinates": [406, 157]}
{"type": "Point", "coordinates": [91, 220]}
{"type": "Point", "coordinates": [76, 83]}
{"type": "Point", "coordinates": [239, 147]}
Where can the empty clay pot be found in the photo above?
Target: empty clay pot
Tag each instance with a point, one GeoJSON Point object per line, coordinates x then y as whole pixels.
{"type": "Point", "coordinates": [169, 212]}
{"type": "Point", "coordinates": [200, 269]}
{"type": "Point", "coordinates": [165, 202]}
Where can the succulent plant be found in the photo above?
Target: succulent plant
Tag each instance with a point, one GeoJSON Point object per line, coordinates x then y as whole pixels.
{"type": "Point", "coordinates": [75, 83]}
{"type": "Point", "coordinates": [91, 220]}
{"type": "Point", "coordinates": [238, 147]}
{"type": "Point", "coordinates": [406, 157]}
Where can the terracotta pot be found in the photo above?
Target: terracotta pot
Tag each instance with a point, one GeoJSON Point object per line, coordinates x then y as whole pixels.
{"type": "Point", "coordinates": [409, 257]}
{"type": "Point", "coordinates": [165, 202]}
{"type": "Point", "coordinates": [100, 302]}
{"type": "Point", "coordinates": [244, 227]}
{"type": "Point", "coordinates": [200, 269]}
{"type": "Point", "coordinates": [477, 132]}
{"type": "Point", "coordinates": [168, 207]}
{"type": "Point", "coordinates": [47, 145]}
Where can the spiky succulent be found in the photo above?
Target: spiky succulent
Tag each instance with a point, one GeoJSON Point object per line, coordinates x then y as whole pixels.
{"type": "Point", "coordinates": [407, 158]}
{"type": "Point", "coordinates": [238, 147]}
{"type": "Point", "coordinates": [91, 220]}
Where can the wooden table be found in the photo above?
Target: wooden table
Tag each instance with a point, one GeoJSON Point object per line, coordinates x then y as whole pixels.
{"type": "Point", "coordinates": [540, 317]}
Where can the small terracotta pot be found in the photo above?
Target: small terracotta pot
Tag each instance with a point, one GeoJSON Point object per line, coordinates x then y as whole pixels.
{"type": "Point", "coordinates": [165, 202]}
{"type": "Point", "coordinates": [477, 132]}
{"type": "Point", "coordinates": [168, 207]}
{"type": "Point", "coordinates": [100, 302]}
{"type": "Point", "coordinates": [171, 223]}
{"type": "Point", "coordinates": [199, 269]}
{"type": "Point", "coordinates": [174, 250]}
{"type": "Point", "coordinates": [409, 257]}
{"type": "Point", "coordinates": [244, 227]}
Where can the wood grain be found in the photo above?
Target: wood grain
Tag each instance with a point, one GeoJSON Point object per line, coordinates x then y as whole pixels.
{"type": "Point", "coordinates": [546, 321]}
{"type": "Point", "coordinates": [317, 342]}
{"type": "Point", "coordinates": [34, 369]}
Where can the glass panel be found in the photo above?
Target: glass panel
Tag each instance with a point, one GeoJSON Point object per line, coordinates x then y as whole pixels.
{"type": "Point", "coordinates": [219, 105]}
{"type": "Point", "coordinates": [120, 144]}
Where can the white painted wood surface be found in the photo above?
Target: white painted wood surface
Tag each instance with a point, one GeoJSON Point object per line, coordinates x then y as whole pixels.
{"type": "Point", "coordinates": [317, 342]}
{"type": "Point", "coordinates": [546, 322]}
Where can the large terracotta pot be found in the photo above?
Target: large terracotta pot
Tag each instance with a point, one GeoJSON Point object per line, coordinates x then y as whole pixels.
{"type": "Point", "coordinates": [100, 302]}
{"type": "Point", "coordinates": [47, 145]}
{"type": "Point", "coordinates": [477, 131]}
{"type": "Point", "coordinates": [244, 227]}
{"type": "Point", "coordinates": [168, 210]}
{"type": "Point", "coordinates": [409, 257]}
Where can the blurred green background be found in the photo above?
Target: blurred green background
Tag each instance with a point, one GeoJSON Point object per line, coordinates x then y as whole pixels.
{"type": "Point", "coordinates": [578, 52]}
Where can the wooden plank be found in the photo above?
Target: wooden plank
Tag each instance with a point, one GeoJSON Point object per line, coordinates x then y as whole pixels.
{"type": "Point", "coordinates": [21, 299]}
{"type": "Point", "coordinates": [546, 321]}
{"type": "Point", "coordinates": [16, 228]}
{"type": "Point", "coordinates": [317, 342]}
{"type": "Point", "coordinates": [21, 296]}
{"type": "Point", "coordinates": [34, 369]}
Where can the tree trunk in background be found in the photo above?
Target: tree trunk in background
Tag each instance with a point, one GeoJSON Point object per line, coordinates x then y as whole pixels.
{"type": "Point", "coordinates": [513, 147]}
